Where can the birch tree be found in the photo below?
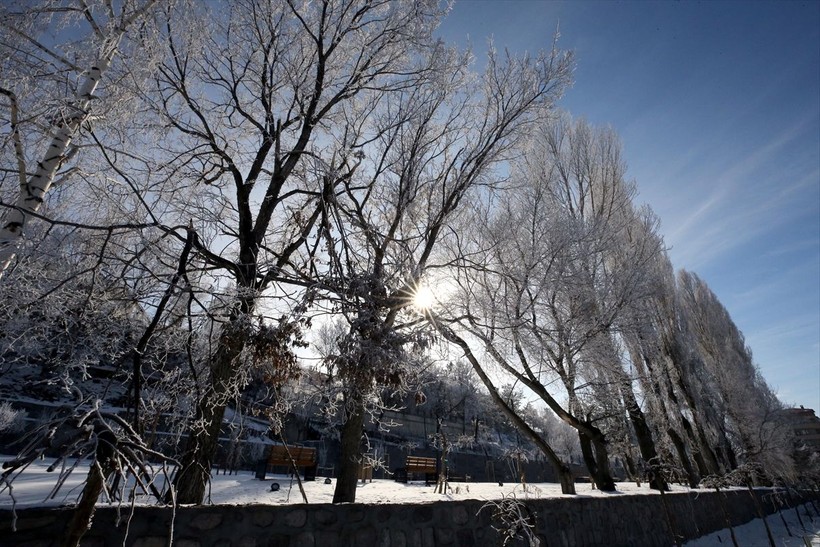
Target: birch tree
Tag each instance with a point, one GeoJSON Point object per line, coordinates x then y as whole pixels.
{"type": "Point", "coordinates": [50, 91]}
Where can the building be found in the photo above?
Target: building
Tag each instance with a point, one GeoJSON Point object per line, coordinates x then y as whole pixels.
{"type": "Point", "coordinates": [805, 425]}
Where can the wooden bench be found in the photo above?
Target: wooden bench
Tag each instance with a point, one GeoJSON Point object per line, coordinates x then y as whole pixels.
{"type": "Point", "coordinates": [365, 472]}
{"type": "Point", "coordinates": [290, 457]}
{"type": "Point", "coordinates": [418, 465]}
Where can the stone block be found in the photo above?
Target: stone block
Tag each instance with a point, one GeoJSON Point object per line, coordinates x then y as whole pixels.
{"type": "Point", "coordinates": [422, 514]}
{"type": "Point", "coordinates": [206, 521]}
{"type": "Point", "coordinates": [398, 538]}
{"type": "Point", "coordinates": [365, 536]}
{"type": "Point", "coordinates": [460, 515]}
{"type": "Point", "coordinates": [278, 540]}
{"type": "Point", "coordinates": [326, 539]}
{"type": "Point", "coordinates": [466, 539]}
{"type": "Point", "coordinates": [262, 518]}
{"type": "Point", "coordinates": [151, 541]}
{"type": "Point", "coordinates": [304, 539]}
{"type": "Point", "coordinates": [30, 523]}
{"type": "Point", "coordinates": [325, 517]}
{"type": "Point", "coordinates": [296, 518]}
{"type": "Point", "coordinates": [355, 514]}
{"type": "Point", "coordinates": [445, 536]}
{"type": "Point", "coordinates": [428, 538]}
{"type": "Point", "coordinates": [37, 543]}
{"type": "Point", "coordinates": [384, 514]}
{"type": "Point", "coordinates": [415, 538]}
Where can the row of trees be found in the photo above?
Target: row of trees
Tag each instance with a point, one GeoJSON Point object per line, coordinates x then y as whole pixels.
{"type": "Point", "coordinates": [204, 186]}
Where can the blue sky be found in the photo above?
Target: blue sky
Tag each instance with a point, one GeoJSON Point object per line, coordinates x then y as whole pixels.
{"type": "Point", "coordinates": [718, 107]}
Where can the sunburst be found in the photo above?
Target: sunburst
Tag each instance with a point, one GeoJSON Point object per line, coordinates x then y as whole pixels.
{"type": "Point", "coordinates": [423, 298]}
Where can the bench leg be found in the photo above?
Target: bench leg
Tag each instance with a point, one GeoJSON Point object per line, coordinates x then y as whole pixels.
{"type": "Point", "coordinates": [261, 469]}
{"type": "Point", "coordinates": [310, 473]}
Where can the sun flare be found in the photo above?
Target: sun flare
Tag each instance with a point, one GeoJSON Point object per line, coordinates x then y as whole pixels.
{"type": "Point", "coordinates": [423, 299]}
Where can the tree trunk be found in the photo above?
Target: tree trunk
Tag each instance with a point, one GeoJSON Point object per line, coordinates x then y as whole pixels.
{"type": "Point", "coordinates": [680, 448]}
{"type": "Point", "coordinates": [561, 469]}
{"type": "Point", "coordinates": [194, 473]}
{"type": "Point", "coordinates": [729, 455]}
{"type": "Point", "coordinates": [97, 473]}
{"type": "Point", "coordinates": [350, 458]}
{"type": "Point", "coordinates": [705, 456]}
{"type": "Point", "coordinates": [645, 442]}
{"type": "Point", "coordinates": [648, 369]}
{"type": "Point", "coordinates": [596, 459]}
{"type": "Point", "coordinates": [630, 468]}
{"type": "Point", "coordinates": [707, 451]}
{"type": "Point", "coordinates": [589, 457]}
{"type": "Point", "coordinates": [604, 479]}
{"type": "Point", "coordinates": [565, 479]}
{"type": "Point", "coordinates": [697, 452]}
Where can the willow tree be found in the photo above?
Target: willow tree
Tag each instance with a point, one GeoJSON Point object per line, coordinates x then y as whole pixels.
{"type": "Point", "coordinates": [553, 270]}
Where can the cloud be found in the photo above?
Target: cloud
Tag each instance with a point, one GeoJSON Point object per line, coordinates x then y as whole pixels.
{"type": "Point", "coordinates": [743, 202]}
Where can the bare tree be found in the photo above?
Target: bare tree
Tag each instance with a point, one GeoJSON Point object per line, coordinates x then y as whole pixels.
{"type": "Point", "coordinates": [437, 145]}
{"type": "Point", "coordinates": [248, 99]}
{"type": "Point", "coordinates": [553, 271]}
{"type": "Point", "coordinates": [43, 123]}
{"type": "Point", "coordinates": [733, 383]}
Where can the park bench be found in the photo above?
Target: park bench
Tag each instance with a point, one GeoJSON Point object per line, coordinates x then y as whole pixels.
{"type": "Point", "coordinates": [418, 465]}
{"type": "Point", "coordinates": [365, 472]}
{"type": "Point", "coordinates": [290, 457]}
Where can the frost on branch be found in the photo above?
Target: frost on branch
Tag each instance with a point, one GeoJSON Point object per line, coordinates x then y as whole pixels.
{"type": "Point", "coordinates": [512, 519]}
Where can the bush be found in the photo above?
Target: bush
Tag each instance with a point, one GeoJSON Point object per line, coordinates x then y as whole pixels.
{"type": "Point", "coordinates": [11, 420]}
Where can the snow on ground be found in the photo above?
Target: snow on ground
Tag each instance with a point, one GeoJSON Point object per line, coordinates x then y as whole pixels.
{"type": "Point", "coordinates": [753, 534]}
{"type": "Point", "coordinates": [34, 487]}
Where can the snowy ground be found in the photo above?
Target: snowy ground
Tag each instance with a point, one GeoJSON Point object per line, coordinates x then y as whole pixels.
{"type": "Point", "coordinates": [753, 534]}
{"type": "Point", "coordinates": [34, 487]}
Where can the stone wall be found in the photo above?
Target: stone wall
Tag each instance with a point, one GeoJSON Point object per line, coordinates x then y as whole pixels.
{"type": "Point", "coordinates": [634, 521]}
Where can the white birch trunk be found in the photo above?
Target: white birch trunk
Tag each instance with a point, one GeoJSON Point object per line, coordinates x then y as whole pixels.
{"type": "Point", "coordinates": [34, 189]}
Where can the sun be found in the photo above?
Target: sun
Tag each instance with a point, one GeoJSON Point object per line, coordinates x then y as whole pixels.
{"type": "Point", "coordinates": [423, 298]}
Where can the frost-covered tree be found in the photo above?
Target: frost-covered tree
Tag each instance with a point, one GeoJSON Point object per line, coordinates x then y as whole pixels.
{"type": "Point", "coordinates": [734, 384]}
{"type": "Point", "coordinates": [67, 316]}
{"type": "Point", "coordinates": [56, 82]}
{"type": "Point", "coordinates": [433, 147]}
{"type": "Point", "coordinates": [253, 104]}
{"type": "Point", "coordinates": [553, 271]}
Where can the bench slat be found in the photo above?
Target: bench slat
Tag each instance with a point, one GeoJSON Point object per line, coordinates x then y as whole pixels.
{"type": "Point", "coordinates": [303, 456]}
{"type": "Point", "coordinates": [418, 464]}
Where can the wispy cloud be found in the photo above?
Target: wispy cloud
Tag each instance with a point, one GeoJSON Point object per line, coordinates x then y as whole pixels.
{"type": "Point", "coordinates": [745, 201]}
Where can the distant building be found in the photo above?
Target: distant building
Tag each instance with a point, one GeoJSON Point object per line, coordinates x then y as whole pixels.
{"type": "Point", "coordinates": [805, 425]}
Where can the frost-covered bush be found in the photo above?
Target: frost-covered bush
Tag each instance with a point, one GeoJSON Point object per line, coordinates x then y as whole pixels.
{"type": "Point", "coordinates": [11, 420]}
